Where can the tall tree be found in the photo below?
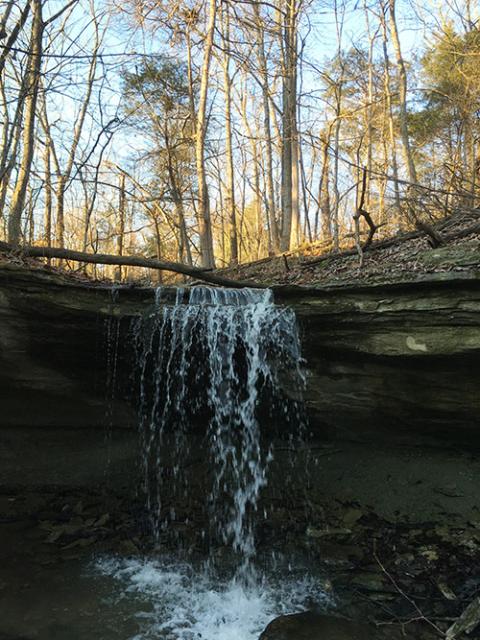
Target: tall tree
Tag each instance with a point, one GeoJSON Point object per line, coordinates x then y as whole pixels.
{"type": "Point", "coordinates": [201, 124]}
{"type": "Point", "coordinates": [30, 96]}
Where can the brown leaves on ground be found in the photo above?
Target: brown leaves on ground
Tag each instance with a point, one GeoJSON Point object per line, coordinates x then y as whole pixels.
{"type": "Point", "coordinates": [405, 259]}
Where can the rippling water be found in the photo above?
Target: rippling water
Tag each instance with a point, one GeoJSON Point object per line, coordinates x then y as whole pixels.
{"type": "Point", "coordinates": [179, 602]}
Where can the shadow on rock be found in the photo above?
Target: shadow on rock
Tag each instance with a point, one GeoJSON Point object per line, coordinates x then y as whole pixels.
{"type": "Point", "coordinates": [313, 626]}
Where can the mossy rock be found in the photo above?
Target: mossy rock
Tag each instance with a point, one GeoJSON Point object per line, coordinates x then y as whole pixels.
{"type": "Point", "coordinates": [465, 255]}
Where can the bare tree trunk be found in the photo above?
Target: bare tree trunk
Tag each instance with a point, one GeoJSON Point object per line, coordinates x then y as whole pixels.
{"type": "Point", "coordinates": [60, 210]}
{"type": "Point", "coordinates": [47, 216]}
{"type": "Point", "coordinates": [4, 19]}
{"type": "Point", "coordinates": [369, 114]}
{"type": "Point", "coordinates": [258, 199]}
{"type": "Point", "coordinates": [230, 182]}
{"type": "Point", "coordinates": [204, 219]}
{"type": "Point", "coordinates": [177, 197]}
{"type": "Point", "coordinates": [32, 85]}
{"type": "Point", "coordinates": [307, 231]}
{"type": "Point", "coordinates": [295, 230]}
{"type": "Point", "coordinates": [10, 145]}
{"type": "Point", "coordinates": [15, 32]}
{"type": "Point", "coordinates": [64, 176]}
{"type": "Point", "coordinates": [389, 108]}
{"type": "Point", "coordinates": [289, 129]}
{"type": "Point", "coordinates": [121, 224]}
{"type": "Point", "coordinates": [471, 171]}
{"type": "Point", "coordinates": [30, 217]}
{"type": "Point", "coordinates": [403, 113]}
{"type": "Point", "coordinates": [324, 190]}
{"type": "Point", "coordinates": [274, 236]}
{"type": "Point", "coordinates": [335, 213]}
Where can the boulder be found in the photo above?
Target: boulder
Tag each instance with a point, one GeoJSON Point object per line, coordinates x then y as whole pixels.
{"type": "Point", "coordinates": [313, 626]}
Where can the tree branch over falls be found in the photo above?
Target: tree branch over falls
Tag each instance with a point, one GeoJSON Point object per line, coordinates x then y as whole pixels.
{"type": "Point", "coordinates": [129, 261]}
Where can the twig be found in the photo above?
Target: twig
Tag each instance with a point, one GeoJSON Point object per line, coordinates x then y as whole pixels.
{"type": "Point", "coordinates": [422, 617]}
{"type": "Point", "coordinates": [361, 211]}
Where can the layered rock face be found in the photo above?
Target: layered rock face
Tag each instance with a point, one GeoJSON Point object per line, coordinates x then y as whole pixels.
{"type": "Point", "coordinates": [387, 366]}
{"type": "Point", "coordinates": [397, 362]}
{"type": "Point", "coordinates": [385, 361]}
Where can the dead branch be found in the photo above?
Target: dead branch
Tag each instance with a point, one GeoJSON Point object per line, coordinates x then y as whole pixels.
{"type": "Point", "coordinates": [467, 622]}
{"type": "Point", "coordinates": [414, 201]}
{"type": "Point", "coordinates": [435, 238]}
{"type": "Point", "coordinates": [129, 261]}
{"type": "Point", "coordinates": [361, 211]}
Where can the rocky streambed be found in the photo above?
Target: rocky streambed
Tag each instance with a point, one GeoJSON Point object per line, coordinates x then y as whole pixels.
{"type": "Point", "coordinates": [393, 576]}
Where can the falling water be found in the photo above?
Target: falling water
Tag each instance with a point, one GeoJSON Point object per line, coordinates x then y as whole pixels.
{"type": "Point", "coordinates": [211, 365]}
{"type": "Point", "coordinates": [213, 355]}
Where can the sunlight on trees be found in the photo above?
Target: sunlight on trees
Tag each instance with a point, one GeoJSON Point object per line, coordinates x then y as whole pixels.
{"type": "Point", "coordinates": [220, 132]}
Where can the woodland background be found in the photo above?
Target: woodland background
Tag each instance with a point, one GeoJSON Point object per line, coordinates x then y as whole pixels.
{"type": "Point", "coordinates": [218, 132]}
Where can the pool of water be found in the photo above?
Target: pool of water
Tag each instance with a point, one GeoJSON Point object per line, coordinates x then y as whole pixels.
{"type": "Point", "coordinates": [106, 597]}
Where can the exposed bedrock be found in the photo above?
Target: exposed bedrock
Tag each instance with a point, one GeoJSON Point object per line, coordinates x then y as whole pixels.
{"type": "Point", "coordinates": [311, 626]}
{"type": "Point", "coordinates": [390, 367]}
{"type": "Point", "coordinates": [398, 362]}
{"type": "Point", "coordinates": [395, 362]}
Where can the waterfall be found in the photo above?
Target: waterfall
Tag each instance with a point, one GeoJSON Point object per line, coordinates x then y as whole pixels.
{"type": "Point", "coordinates": [207, 363]}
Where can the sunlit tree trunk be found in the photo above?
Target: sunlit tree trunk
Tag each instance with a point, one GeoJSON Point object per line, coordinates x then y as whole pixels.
{"type": "Point", "coordinates": [31, 86]}
{"type": "Point", "coordinates": [324, 190]}
{"type": "Point", "coordinates": [204, 219]}
{"type": "Point", "coordinates": [289, 128]}
{"type": "Point", "coordinates": [403, 111]}
{"type": "Point", "coordinates": [47, 215]}
{"type": "Point", "coordinates": [274, 238]}
{"type": "Point", "coordinates": [389, 112]}
{"type": "Point", "coordinates": [64, 176]}
{"type": "Point", "coordinates": [122, 212]}
{"type": "Point", "coordinates": [229, 202]}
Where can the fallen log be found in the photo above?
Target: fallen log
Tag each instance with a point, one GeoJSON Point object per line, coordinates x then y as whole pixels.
{"type": "Point", "coordinates": [129, 261]}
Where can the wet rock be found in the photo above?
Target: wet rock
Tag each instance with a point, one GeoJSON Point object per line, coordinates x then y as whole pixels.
{"type": "Point", "coordinates": [102, 521]}
{"type": "Point", "coordinates": [370, 581]}
{"type": "Point", "coordinates": [81, 542]}
{"type": "Point", "coordinates": [467, 622]}
{"type": "Point", "coordinates": [446, 591]}
{"type": "Point", "coordinates": [312, 532]}
{"type": "Point", "coordinates": [352, 516]}
{"type": "Point", "coordinates": [430, 553]}
{"type": "Point", "coordinates": [127, 548]}
{"type": "Point", "coordinates": [312, 626]}
{"type": "Point", "coordinates": [335, 553]}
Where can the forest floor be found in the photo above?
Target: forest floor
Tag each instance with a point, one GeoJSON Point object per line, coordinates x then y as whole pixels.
{"type": "Point", "coordinates": [405, 257]}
